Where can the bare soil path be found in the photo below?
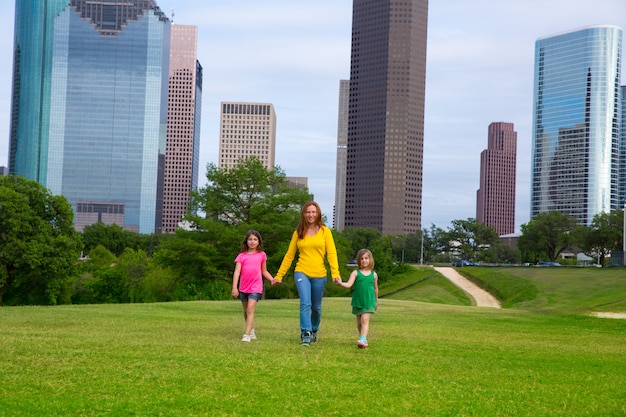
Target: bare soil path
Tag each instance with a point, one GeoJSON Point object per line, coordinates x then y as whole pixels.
{"type": "Point", "coordinates": [482, 297]}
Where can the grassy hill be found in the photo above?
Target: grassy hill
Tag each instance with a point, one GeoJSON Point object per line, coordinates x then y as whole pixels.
{"type": "Point", "coordinates": [543, 356]}
{"type": "Point", "coordinates": [565, 289]}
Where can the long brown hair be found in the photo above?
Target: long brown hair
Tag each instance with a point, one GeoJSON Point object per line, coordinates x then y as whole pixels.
{"type": "Point", "coordinates": [302, 226]}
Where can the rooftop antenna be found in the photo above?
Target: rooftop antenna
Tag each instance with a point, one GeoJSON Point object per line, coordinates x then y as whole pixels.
{"type": "Point", "coordinates": [172, 13]}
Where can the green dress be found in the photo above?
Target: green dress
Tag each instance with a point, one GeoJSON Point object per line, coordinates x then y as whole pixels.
{"type": "Point", "coordinates": [363, 295]}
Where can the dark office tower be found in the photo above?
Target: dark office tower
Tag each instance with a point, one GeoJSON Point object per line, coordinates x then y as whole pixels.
{"type": "Point", "coordinates": [575, 159]}
{"type": "Point", "coordinates": [89, 106]}
{"type": "Point", "coordinates": [495, 199]}
{"type": "Point", "coordinates": [183, 125]}
{"type": "Point", "coordinates": [386, 115]}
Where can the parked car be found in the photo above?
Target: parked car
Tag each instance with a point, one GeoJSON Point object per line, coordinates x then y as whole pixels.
{"type": "Point", "coordinates": [461, 263]}
{"type": "Point", "coordinates": [545, 263]}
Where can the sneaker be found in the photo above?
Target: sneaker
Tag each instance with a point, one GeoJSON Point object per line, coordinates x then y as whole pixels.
{"type": "Point", "coordinates": [362, 344]}
{"type": "Point", "coordinates": [306, 338]}
{"type": "Point", "coordinates": [313, 337]}
{"type": "Point", "coordinates": [246, 338]}
{"type": "Point", "coordinates": [253, 335]}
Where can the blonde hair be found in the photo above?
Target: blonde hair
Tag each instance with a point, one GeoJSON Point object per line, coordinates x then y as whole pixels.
{"type": "Point", "coordinates": [360, 254]}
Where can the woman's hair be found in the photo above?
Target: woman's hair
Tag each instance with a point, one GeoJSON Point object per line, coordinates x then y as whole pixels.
{"type": "Point", "coordinates": [360, 254]}
{"type": "Point", "coordinates": [302, 226]}
{"type": "Point", "coordinates": [244, 244]}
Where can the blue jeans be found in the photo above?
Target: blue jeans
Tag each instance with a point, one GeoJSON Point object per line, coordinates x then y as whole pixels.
{"type": "Point", "coordinates": [311, 291]}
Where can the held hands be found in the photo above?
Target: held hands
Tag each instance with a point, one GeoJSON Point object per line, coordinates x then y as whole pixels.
{"type": "Point", "coordinates": [337, 281]}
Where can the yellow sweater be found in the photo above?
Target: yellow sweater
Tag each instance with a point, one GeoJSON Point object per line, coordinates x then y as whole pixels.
{"type": "Point", "coordinates": [312, 250]}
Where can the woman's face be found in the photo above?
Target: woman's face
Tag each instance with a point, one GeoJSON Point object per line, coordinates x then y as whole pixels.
{"type": "Point", "coordinates": [310, 214]}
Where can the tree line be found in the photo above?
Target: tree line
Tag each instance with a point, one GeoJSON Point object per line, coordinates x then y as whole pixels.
{"type": "Point", "coordinates": [45, 261]}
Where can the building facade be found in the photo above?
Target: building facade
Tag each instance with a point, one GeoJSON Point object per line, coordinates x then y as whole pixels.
{"type": "Point", "coordinates": [89, 106]}
{"type": "Point", "coordinates": [339, 211]}
{"type": "Point", "coordinates": [247, 129]}
{"type": "Point", "coordinates": [495, 198]}
{"type": "Point", "coordinates": [386, 115]}
{"type": "Point", "coordinates": [621, 200]}
{"type": "Point", "coordinates": [182, 152]}
{"type": "Point", "coordinates": [575, 158]}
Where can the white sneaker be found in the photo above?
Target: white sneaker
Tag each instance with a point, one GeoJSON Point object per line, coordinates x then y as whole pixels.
{"type": "Point", "coordinates": [253, 335]}
{"type": "Point", "coordinates": [246, 338]}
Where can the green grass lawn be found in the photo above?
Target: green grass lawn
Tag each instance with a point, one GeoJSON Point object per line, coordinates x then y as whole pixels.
{"type": "Point", "coordinates": [570, 289]}
{"type": "Point", "coordinates": [424, 359]}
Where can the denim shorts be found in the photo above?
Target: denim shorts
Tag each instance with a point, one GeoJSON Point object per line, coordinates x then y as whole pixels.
{"type": "Point", "coordinates": [256, 296]}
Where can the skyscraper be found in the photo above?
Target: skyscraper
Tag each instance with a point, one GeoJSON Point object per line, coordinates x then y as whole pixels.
{"type": "Point", "coordinates": [89, 106]}
{"type": "Point", "coordinates": [495, 199]}
{"type": "Point", "coordinates": [183, 125]}
{"type": "Point", "coordinates": [576, 123]}
{"type": "Point", "coordinates": [621, 200]}
{"type": "Point", "coordinates": [386, 115]}
{"type": "Point", "coordinates": [247, 129]}
{"type": "Point", "coordinates": [342, 141]}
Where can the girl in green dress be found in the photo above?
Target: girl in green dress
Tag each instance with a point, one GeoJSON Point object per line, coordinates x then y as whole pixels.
{"type": "Point", "coordinates": [365, 293]}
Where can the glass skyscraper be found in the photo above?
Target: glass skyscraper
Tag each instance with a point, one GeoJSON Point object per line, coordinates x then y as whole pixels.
{"type": "Point", "coordinates": [576, 123]}
{"type": "Point", "coordinates": [89, 107]}
{"type": "Point", "coordinates": [621, 201]}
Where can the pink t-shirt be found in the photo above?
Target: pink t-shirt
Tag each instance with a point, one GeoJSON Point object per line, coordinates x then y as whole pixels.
{"type": "Point", "coordinates": [251, 279]}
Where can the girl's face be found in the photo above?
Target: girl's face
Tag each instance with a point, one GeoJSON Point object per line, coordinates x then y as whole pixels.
{"type": "Point", "coordinates": [310, 214]}
{"type": "Point", "coordinates": [252, 242]}
{"type": "Point", "coordinates": [365, 261]}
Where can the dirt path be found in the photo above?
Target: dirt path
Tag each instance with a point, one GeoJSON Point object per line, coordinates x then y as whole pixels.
{"type": "Point", "coordinates": [482, 297]}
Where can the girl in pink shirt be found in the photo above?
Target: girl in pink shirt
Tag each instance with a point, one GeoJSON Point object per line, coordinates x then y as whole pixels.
{"type": "Point", "coordinates": [250, 269]}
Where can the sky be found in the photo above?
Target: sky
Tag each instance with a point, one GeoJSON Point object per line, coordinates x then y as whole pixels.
{"type": "Point", "coordinates": [293, 53]}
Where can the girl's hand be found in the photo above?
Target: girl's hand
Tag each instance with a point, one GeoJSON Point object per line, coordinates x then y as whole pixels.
{"type": "Point", "coordinates": [235, 293]}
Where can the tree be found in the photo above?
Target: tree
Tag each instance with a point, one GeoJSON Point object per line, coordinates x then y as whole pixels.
{"type": "Point", "coordinates": [547, 235]}
{"type": "Point", "coordinates": [113, 237]}
{"type": "Point", "coordinates": [39, 247]}
{"type": "Point", "coordinates": [248, 193]}
{"type": "Point", "coordinates": [470, 238]}
{"type": "Point", "coordinates": [436, 245]}
{"type": "Point", "coordinates": [604, 235]}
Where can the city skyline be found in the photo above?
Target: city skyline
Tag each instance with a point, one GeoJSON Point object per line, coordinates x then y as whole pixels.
{"type": "Point", "coordinates": [478, 70]}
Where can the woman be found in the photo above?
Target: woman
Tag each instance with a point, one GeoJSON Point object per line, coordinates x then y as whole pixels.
{"type": "Point", "coordinates": [314, 242]}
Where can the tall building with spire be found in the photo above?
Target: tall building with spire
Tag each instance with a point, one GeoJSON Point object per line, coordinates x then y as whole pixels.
{"type": "Point", "coordinates": [386, 115]}
{"type": "Point", "coordinates": [89, 106]}
{"type": "Point", "coordinates": [495, 198]}
{"type": "Point", "coordinates": [182, 152]}
{"type": "Point", "coordinates": [575, 159]}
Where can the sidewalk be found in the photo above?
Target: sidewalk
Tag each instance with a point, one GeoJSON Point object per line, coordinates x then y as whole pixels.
{"type": "Point", "coordinates": [482, 297]}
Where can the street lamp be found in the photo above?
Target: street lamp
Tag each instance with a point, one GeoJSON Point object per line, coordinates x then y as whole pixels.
{"type": "Point", "coordinates": [422, 250]}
